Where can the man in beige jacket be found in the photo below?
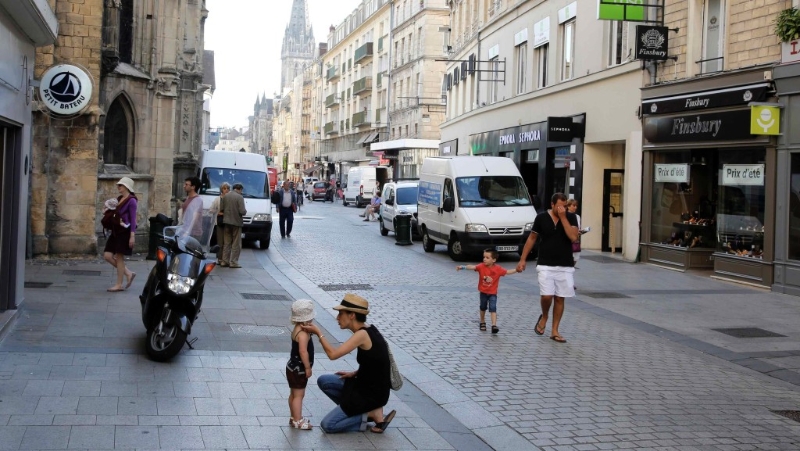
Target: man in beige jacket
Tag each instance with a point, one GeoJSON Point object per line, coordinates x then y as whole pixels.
{"type": "Point", "coordinates": [232, 208]}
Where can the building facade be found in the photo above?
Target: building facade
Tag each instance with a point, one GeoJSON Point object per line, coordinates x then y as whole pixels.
{"type": "Point", "coordinates": [24, 25]}
{"type": "Point", "coordinates": [282, 136]}
{"type": "Point", "coordinates": [535, 81]}
{"type": "Point", "coordinates": [718, 188]}
{"type": "Point", "coordinates": [145, 121]}
{"type": "Point", "coordinates": [413, 77]}
{"type": "Point", "coordinates": [298, 45]}
{"type": "Point", "coordinates": [261, 127]}
{"type": "Point", "coordinates": [355, 95]}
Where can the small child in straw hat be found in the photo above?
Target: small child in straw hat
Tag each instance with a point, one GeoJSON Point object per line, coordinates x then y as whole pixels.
{"type": "Point", "coordinates": [301, 359]}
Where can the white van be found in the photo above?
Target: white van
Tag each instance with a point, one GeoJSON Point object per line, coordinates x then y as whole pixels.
{"type": "Point", "coordinates": [398, 198]}
{"type": "Point", "coordinates": [249, 169]}
{"type": "Point", "coordinates": [361, 182]}
{"type": "Point", "coordinates": [473, 203]}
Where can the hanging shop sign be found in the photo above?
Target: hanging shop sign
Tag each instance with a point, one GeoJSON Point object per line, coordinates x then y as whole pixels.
{"type": "Point", "coordinates": [742, 175]}
{"type": "Point", "coordinates": [740, 95]}
{"type": "Point", "coordinates": [630, 10]}
{"type": "Point", "coordinates": [560, 129]}
{"type": "Point", "coordinates": [725, 126]}
{"type": "Point", "coordinates": [765, 120]}
{"type": "Point", "coordinates": [652, 43]}
{"type": "Point", "coordinates": [671, 173]}
{"type": "Point", "coordinates": [66, 89]}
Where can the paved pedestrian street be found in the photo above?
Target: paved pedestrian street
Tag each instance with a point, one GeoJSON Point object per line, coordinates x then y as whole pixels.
{"type": "Point", "coordinates": [642, 367]}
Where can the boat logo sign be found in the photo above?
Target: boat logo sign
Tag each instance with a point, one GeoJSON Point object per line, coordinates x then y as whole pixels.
{"type": "Point", "coordinates": [65, 89]}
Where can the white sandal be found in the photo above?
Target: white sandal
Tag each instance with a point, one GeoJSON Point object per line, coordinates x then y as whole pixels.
{"type": "Point", "coordinates": [303, 424]}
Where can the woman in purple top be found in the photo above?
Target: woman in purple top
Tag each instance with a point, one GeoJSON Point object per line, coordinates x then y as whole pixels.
{"type": "Point", "coordinates": [121, 241]}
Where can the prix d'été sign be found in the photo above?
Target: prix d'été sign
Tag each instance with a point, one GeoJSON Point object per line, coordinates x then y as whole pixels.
{"type": "Point", "coordinates": [630, 10]}
{"type": "Point", "coordinates": [65, 89]}
{"type": "Point", "coordinates": [671, 173]}
{"type": "Point", "coordinates": [743, 175]}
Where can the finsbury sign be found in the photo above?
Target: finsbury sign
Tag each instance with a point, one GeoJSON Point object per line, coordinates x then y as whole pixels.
{"type": "Point", "coordinates": [65, 89]}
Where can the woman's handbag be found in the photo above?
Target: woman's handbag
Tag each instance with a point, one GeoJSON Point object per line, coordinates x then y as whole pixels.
{"type": "Point", "coordinates": [394, 372]}
{"type": "Point", "coordinates": [576, 246]}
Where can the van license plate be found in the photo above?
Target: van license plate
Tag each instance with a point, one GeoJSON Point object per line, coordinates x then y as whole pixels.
{"type": "Point", "coordinates": [507, 248]}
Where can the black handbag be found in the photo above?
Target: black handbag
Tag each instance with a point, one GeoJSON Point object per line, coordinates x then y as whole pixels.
{"type": "Point", "coordinates": [219, 221]}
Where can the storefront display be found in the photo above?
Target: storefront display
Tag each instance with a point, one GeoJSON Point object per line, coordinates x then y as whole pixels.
{"type": "Point", "coordinates": [794, 208]}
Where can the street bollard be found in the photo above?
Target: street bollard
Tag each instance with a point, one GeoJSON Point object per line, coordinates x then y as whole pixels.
{"type": "Point", "coordinates": [157, 224]}
{"type": "Point", "coordinates": [402, 230]}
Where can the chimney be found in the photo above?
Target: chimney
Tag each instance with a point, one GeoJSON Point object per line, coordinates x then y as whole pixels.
{"type": "Point", "coordinates": [323, 48]}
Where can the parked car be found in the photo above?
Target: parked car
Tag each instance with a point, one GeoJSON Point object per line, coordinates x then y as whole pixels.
{"type": "Point", "coordinates": [399, 198]}
{"type": "Point", "coordinates": [322, 191]}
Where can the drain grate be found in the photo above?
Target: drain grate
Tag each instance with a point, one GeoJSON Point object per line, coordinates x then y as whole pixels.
{"type": "Point", "coordinates": [81, 272]}
{"type": "Point", "coordinates": [37, 284]}
{"type": "Point", "coordinates": [748, 332]}
{"type": "Point", "coordinates": [790, 414]}
{"type": "Point", "coordinates": [602, 259]}
{"type": "Point", "coordinates": [346, 287]}
{"type": "Point", "coordinates": [264, 297]}
{"type": "Point", "coordinates": [261, 331]}
{"type": "Point", "coordinates": [605, 295]}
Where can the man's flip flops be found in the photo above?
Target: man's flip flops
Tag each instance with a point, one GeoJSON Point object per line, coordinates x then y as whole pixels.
{"type": "Point", "coordinates": [380, 427]}
{"type": "Point", "coordinates": [536, 327]}
{"type": "Point", "coordinates": [558, 339]}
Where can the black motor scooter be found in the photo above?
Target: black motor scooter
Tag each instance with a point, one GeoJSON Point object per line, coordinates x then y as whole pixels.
{"type": "Point", "coordinates": [173, 295]}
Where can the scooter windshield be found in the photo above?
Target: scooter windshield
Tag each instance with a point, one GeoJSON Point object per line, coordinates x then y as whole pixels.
{"type": "Point", "coordinates": [185, 265]}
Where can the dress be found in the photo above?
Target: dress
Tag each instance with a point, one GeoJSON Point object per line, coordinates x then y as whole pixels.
{"type": "Point", "coordinates": [119, 241]}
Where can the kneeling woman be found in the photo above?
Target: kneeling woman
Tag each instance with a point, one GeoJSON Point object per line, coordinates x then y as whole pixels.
{"type": "Point", "coordinates": [360, 395]}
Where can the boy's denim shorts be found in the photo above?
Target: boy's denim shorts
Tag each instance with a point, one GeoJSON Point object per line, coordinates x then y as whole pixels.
{"type": "Point", "coordinates": [491, 300]}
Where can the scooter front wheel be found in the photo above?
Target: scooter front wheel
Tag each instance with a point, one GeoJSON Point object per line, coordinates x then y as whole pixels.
{"type": "Point", "coordinates": [164, 342]}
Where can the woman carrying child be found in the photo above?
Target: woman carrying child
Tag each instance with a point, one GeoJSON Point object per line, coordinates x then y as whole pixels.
{"type": "Point", "coordinates": [121, 241]}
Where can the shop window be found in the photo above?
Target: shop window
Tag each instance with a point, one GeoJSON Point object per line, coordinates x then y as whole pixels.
{"type": "Point", "coordinates": [710, 199]}
{"type": "Point", "coordinates": [794, 209]}
{"type": "Point", "coordinates": [118, 133]}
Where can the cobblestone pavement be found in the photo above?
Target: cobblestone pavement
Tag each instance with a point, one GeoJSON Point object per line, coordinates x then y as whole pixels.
{"type": "Point", "coordinates": [610, 387]}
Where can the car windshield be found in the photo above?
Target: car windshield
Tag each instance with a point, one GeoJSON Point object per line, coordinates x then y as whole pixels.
{"type": "Point", "coordinates": [254, 183]}
{"type": "Point", "coordinates": [407, 195]}
{"type": "Point", "coordinates": [492, 191]}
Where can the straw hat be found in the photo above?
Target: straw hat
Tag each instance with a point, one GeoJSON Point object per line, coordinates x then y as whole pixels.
{"type": "Point", "coordinates": [302, 311]}
{"type": "Point", "coordinates": [127, 183]}
{"type": "Point", "coordinates": [353, 303]}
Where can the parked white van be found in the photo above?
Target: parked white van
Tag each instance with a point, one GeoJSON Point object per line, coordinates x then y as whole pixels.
{"type": "Point", "coordinates": [398, 198]}
{"type": "Point", "coordinates": [361, 182]}
{"type": "Point", "coordinates": [249, 169]}
{"type": "Point", "coordinates": [473, 203]}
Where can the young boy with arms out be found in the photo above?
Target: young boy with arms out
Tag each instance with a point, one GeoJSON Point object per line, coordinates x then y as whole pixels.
{"type": "Point", "coordinates": [301, 359]}
{"type": "Point", "coordinates": [488, 281]}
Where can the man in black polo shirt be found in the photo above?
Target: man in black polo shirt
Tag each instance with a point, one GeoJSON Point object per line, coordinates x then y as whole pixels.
{"type": "Point", "coordinates": [557, 230]}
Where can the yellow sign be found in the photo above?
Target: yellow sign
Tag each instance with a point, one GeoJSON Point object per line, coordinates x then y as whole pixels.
{"type": "Point", "coordinates": [765, 120]}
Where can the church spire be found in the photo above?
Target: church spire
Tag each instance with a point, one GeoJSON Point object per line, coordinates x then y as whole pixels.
{"type": "Point", "coordinates": [298, 43]}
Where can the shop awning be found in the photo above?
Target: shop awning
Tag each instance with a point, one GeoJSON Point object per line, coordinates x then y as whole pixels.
{"type": "Point", "coordinates": [362, 139]}
{"type": "Point", "coordinates": [310, 170]}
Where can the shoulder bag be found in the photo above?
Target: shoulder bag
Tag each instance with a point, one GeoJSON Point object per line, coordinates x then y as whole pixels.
{"type": "Point", "coordinates": [394, 373]}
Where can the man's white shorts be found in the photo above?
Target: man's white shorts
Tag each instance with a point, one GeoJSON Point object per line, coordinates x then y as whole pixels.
{"type": "Point", "coordinates": [556, 281]}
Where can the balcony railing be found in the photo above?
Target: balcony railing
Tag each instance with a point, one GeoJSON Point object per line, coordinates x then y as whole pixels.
{"type": "Point", "coordinates": [363, 85]}
{"type": "Point", "coordinates": [363, 53]}
{"type": "Point", "coordinates": [332, 74]}
{"type": "Point", "coordinates": [361, 119]}
{"type": "Point", "coordinates": [331, 128]}
{"type": "Point", "coordinates": [331, 100]}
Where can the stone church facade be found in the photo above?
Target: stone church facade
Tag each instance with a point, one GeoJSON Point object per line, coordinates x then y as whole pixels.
{"type": "Point", "coordinates": [298, 45]}
{"type": "Point", "coordinates": [144, 121]}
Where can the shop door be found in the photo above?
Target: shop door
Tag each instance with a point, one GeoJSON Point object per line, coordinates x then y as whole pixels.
{"type": "Point", "coordinates": [9, 217]}
{"type": "Point", "coordinates": [530, 175]}
{"type": "Point", "coordinates": [558, 173]}
{"type": "Point", "coordinates": [613, 197]}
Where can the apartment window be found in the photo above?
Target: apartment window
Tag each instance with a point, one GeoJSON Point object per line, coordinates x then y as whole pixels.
{"type": "Point", "coordinates": [713, 35]}
{"type": "Point", "coordinates": [522, 64]}
{"type": "Point", "coordinates": [618, 51]}
{"type": "Point", "coordinates": [494, 68]}
{"type": "Point", "coordinates": [541, 65]}
{"type": "Point", "coordinates": [406, 130]}
{"type": "Point", "coordinates": [568, 46]}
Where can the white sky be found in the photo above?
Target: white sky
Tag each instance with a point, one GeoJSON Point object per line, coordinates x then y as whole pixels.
{"type": "Point", "coordinates": [246, 37]}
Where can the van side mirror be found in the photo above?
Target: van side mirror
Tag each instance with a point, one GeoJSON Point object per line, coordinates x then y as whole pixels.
{"type": "Point", "coordinates": [449, 205]}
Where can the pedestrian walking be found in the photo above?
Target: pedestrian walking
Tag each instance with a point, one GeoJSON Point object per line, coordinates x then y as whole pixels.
{"type": "Point", "coordinates": [123, 232]}
{"type": "Point", "coordinates": [301, 193]}
{"type": "Point", "coordinates": [191, 223]}
{"type": "Point", "coordinates": [301, 360]}
{"type": "Point", "coordinates": [233, 212]}
{"type": "Point", "coordinates": [219, 224]}
{"type": "Point", "coordinates": [489, 274]}
{"type": "Point", "coordinates": [556, 230]}
{"type": "Point", "coordinates": [572, 207]}
{"type": "Point", "coordinates": [287, 203]}
{"type": "Point", "coordinates": [359, 395]}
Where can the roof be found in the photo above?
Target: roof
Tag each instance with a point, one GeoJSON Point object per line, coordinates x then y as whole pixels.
{"type": "Point", "coordinates": [209, 75]}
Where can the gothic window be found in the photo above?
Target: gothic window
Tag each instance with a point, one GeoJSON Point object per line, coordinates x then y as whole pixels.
{"type": "Point", "coordinates": [118, 140]}
{"type": "Point", "coordinates": [126, 31]}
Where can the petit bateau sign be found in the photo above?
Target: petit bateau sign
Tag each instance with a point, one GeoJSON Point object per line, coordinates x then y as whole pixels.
{"type": "Point", "coordinates": [66, 89]}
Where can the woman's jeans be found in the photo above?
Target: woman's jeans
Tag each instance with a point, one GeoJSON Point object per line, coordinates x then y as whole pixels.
{"type": "Point", "coordinates": [336, 420]}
